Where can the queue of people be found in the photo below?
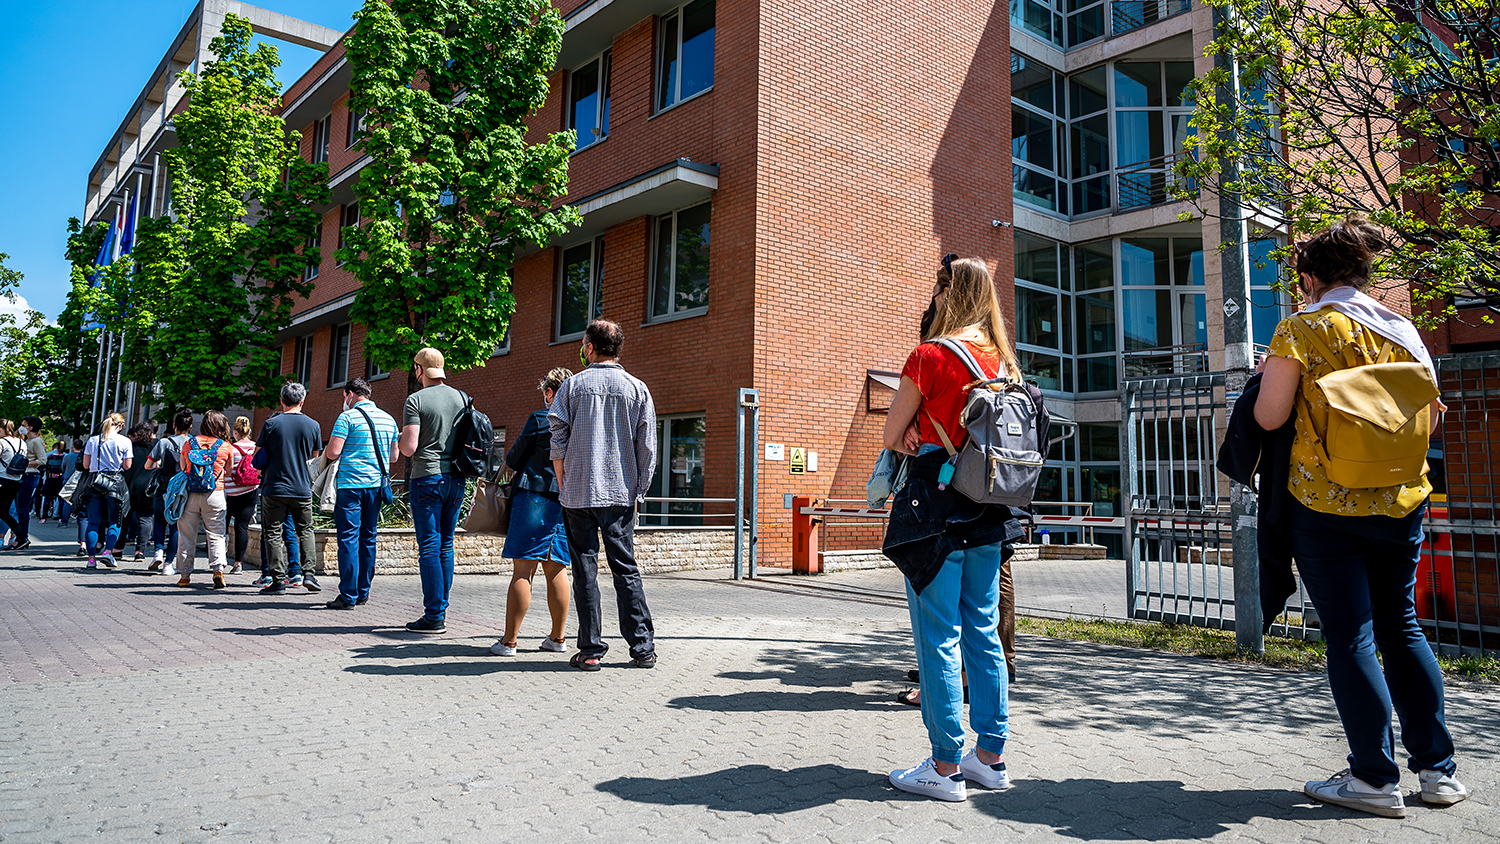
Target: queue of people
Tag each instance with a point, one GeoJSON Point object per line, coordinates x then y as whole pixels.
{"type": "Point", "coordinates": [585, 460]}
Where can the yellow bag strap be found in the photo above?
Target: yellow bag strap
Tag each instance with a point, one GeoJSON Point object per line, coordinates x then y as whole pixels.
{"type": "Point", "coordinates": [1387, 349]}
{"type": "Point", "coordinates": [942, 435]}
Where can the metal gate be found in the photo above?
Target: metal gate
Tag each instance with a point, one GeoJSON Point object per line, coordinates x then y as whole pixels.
{"type": "Point", "coordinates": [1179, 566]}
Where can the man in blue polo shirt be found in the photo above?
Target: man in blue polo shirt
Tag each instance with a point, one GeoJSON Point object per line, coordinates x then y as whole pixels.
{"type": "Point", "coordinates": [364, 443]}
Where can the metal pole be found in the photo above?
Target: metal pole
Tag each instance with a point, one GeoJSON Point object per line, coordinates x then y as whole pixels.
{"type": "Point", "coordinates": [1132, 487]}
{"type": "Point", "coordinates": [1238, 365]}
{"type": "Point", "coordinates": [120, 376]}
{"type": "Point", "coordinates": [94, 399]}
{"type": "Point", "coordinates": [755, 483]}
{"type": "Point", "coordinates": [739, 484]}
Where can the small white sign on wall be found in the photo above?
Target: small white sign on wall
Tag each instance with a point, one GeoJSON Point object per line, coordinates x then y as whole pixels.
{"type": "Point", "coordinates": [775, 451]}
{"type": "Point", "coordinates": [812, 461]}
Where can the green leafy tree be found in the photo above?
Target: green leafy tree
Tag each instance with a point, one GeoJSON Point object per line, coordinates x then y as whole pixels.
{"type": "Point", "coordinates": [1392, 109]}
{"type": "Point", "coordinates": [453, 190]}
{"type": "Point", "coordinates": [69, 352]}
{"type": "Point", "coordinates": [210, 289]}
{"type": "Point", "coordinates": [19, 378]}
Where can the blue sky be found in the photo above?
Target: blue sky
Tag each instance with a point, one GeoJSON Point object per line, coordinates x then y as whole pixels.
{"type": "Point", "coordinates": [72, 69]}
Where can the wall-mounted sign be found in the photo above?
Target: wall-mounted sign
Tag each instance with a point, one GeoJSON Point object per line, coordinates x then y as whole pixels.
{"type": "Point", "coordinates": [798, 463]}
{"type": "Point", "coordinates": [775, 451]}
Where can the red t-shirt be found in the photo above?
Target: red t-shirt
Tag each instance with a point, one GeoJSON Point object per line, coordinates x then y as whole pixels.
{"type": "Point", "coordinates": [941, 377]}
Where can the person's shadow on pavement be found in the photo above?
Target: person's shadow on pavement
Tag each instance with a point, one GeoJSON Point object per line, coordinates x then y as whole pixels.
{"type": "Point", "coordinates": [1086, 808]}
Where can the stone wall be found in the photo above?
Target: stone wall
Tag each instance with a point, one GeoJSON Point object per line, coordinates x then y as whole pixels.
{"type": "Point", "coordinates": [396, 551]}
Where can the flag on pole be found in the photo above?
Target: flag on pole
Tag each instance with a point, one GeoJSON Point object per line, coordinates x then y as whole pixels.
{"type": "Point", "coordinates": [109, 250]}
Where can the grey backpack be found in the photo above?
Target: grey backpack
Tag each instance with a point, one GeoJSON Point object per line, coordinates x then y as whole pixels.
{"type": "Point", "coordinates": [1002, 460]}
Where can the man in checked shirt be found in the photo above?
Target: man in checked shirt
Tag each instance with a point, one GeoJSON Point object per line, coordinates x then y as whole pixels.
{"type": "Point", "coordinates": [604, 452]}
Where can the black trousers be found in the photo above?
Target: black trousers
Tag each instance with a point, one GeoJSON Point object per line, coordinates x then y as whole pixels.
{"type": "Point", "coordinates": [241, 511]}
{"type": "Point", "coordinates": [584, 526]}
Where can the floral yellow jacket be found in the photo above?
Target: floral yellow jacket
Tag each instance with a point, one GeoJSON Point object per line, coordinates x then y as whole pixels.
{"type": "Point", "coordinates": [1308, 482]}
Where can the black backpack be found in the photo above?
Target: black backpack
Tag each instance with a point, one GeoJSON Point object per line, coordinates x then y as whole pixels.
{"type": "Point", "coordinates": [472, 438]}
{"type": "Point", "coordinates": [54, 465]}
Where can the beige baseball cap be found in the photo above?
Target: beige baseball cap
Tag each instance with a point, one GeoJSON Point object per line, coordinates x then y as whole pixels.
{"type": "Point", "coordinates": [431, 361]}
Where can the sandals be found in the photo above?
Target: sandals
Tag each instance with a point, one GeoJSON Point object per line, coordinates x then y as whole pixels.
{"type": "Point", "coordinates": [907, 696]}
{"type": "Point", "coordinates": [584, 663]}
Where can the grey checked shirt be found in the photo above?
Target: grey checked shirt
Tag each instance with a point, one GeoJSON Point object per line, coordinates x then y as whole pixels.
{"type": "Point", "coordinates": [604, 430]}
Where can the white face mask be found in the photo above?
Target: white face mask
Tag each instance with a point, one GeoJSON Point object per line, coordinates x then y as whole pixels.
{"type": "Point", "coordinates": [23, 430]}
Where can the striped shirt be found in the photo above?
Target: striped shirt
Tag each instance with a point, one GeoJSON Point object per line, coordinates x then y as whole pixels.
{"type": "Point", "coordinates": [358, 466]}
{"type": "Point", "coordinates": [603, 425]}
{"type": "Point", "coordinates": [243, 450]}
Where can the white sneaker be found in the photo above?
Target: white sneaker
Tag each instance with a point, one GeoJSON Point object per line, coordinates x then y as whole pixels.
{"type": "Point", "coordinates": [158, 557]}
{"type": "Point", "coordinates": [1351, 792]}
{"type": "Point", "coordinates": [1441, 789]}
{"type": "Point", "coordinates": [555, 647]}
{"type": "Point", "coordinates": [990, 776]}
{"type": "Point", "coordinates": [926, 781]}
{"type": "Point", "coordinates": [502, 649]}
{"type": "Point", "coordinates": [170, 571]}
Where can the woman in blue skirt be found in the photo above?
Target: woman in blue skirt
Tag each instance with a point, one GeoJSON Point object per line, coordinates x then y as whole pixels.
{"type": "Point", "coordinates": [536, 532]}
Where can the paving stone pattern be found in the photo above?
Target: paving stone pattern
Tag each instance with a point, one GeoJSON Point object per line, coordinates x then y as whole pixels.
{"type": "Point", "coordinates": [141, 712]}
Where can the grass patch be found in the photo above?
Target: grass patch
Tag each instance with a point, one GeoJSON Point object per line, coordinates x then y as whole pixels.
{"type": "Point", "coordinates": [1219, 644]}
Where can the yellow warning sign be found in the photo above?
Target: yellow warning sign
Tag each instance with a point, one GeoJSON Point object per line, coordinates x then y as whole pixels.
{"type": "Point", "coordinates": [798, 463]}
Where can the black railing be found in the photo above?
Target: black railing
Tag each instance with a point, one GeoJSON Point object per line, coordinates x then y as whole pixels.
{"type": "Point", "coordinates": [1127, 15]}
{"type": "Point", "coordinates": [1150, 182]}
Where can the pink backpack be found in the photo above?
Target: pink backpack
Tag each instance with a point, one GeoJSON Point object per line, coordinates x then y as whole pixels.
{"type": "Point", "coordinates": [245, 473]}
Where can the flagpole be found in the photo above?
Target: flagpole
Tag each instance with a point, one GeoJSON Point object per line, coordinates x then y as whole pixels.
{"type": "Point", "coordinates": [94, 403]}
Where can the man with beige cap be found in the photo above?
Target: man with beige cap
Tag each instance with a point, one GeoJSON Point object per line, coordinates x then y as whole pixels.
{"type": "Point", "coordinates": [429, 425]}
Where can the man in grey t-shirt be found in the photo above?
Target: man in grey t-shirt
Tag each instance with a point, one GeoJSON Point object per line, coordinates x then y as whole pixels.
{"type": "Point", "coordinates": [604, 453]}
{"type": "Point", "coordinates": [427, 433]}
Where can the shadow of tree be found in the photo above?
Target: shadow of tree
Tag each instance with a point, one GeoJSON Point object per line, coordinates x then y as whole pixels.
{"type": "Point", "coordinates": [1086, 808]}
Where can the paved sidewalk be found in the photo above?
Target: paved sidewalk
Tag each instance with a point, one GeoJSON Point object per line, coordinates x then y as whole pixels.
{"type": "Point", "coordinates": [143, 712]}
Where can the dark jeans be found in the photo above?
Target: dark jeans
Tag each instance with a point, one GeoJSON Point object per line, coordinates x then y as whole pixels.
{"type": "Point", "coordinates": [618, 526]}
{"type": "Point", "coordinates": [163, 535]}
{"type": "Point", "coordinates": [29, 483]}
{"type": "Point", "coordinates": [1361, 573]}
{"type": "Point", "coordinates": [356, 516]}
{"type": "Point", "coordinates": [241, 512]}
{"type": "Point", "coordinates": [274, 511]}
{"type": "Point", "coordinates": [137, 526]}
{"type": "Point", "coordinates": [8, 492]}
{"type": "Point", "coordinates": [434, 511]}
{"type": "Point", "coordinates": [293, 550]}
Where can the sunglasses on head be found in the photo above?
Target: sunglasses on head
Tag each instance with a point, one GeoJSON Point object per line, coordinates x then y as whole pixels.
{"type": "Point", "coordinates": [948, 261]}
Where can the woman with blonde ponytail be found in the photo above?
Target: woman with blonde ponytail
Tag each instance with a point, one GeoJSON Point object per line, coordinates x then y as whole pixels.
{"type": "Point", "coordinates": [951, 549]}
{"type": "Point", "coordinates": [109, 453]}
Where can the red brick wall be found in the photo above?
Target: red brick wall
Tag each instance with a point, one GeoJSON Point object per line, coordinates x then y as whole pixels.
{"type": "Point", "coordinates": [882, 148]}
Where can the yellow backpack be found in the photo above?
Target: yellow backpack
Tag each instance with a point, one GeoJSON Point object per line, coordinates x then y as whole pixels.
{"type": "Point", "coordinates": [1379, 420]}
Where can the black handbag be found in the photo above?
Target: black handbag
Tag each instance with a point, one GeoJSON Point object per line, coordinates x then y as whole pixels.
{"type": "Point", "coordinates": [385, 495]}
{"type": "Point", "coordinates": [110, 483]}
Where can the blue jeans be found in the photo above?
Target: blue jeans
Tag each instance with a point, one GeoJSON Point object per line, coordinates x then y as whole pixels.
{"type": "Point", "coordinates": [104, 515]}
{"type": "Point", "coordinates": [959, 611]}
{"type": "Point", "coordinates": [355, 516]}
{"type": "Point", "coordinates": [434, 510]}
{"type": "Point", "coordinates": [163, 536]}
{"type": "Point", "coordinates": [29, 482]}
{"type": "Point", "coordinates": [1361, 573]}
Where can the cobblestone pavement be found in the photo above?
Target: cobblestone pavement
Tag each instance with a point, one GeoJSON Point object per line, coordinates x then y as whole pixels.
{"type": "Point", "coordinates": [143, 712]}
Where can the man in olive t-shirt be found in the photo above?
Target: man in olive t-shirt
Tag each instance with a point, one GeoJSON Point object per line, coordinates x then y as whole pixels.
{"type": "Point", "coordinates": [436, 490]}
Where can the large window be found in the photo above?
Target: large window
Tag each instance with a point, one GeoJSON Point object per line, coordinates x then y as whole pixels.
{"type": "Point", "coordinates": [1267, 304]}
{"type": "Point", "coordinates": [1094, 283]}
{"type": "Point", "coordinates": [679, 470]}
{"type": "Point", "coordinates": [302, 356]}
{"type": "Point", "coordinates": [1036, 134]}
{"type": "Point", "coordinates": [1042, 18]}
{"type": "Point", "coordinates": [580, 288]}
{"type": "Point", "coordinates": [338, 355]}
{"type": "Point", "coordinates": [1152, 109]}
{"type": "Point", "coordinates": [1044, 331]}
{"type": "Point", "coordinates": [680, 274]}
{"type": "Point", "coordinates": [588, 102]}
{"type": "Point", "coordinates": [1088, 140]}
{"type": "Point", "coordinates": [685, 53]}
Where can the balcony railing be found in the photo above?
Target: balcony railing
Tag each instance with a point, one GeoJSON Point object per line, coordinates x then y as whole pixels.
{"type": "Point", "coordinates": [1166, 360]}
{"type": "Point", "coordinates": [1149, 182]}
{"type": "Point", "coordinates": [1126, 15]}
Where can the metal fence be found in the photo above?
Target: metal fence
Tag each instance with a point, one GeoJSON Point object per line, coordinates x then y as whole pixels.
{"type": "Point", "coordinates": [1177, 520]}
{"type": "Point", "coordinates": [1458, 577]}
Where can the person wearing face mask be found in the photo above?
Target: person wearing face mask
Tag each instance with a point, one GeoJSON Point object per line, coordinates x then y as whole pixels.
{"type": "Point", "coordinates": [35, 450]}
{"type": "Point", "coordinates": [363, 440]}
